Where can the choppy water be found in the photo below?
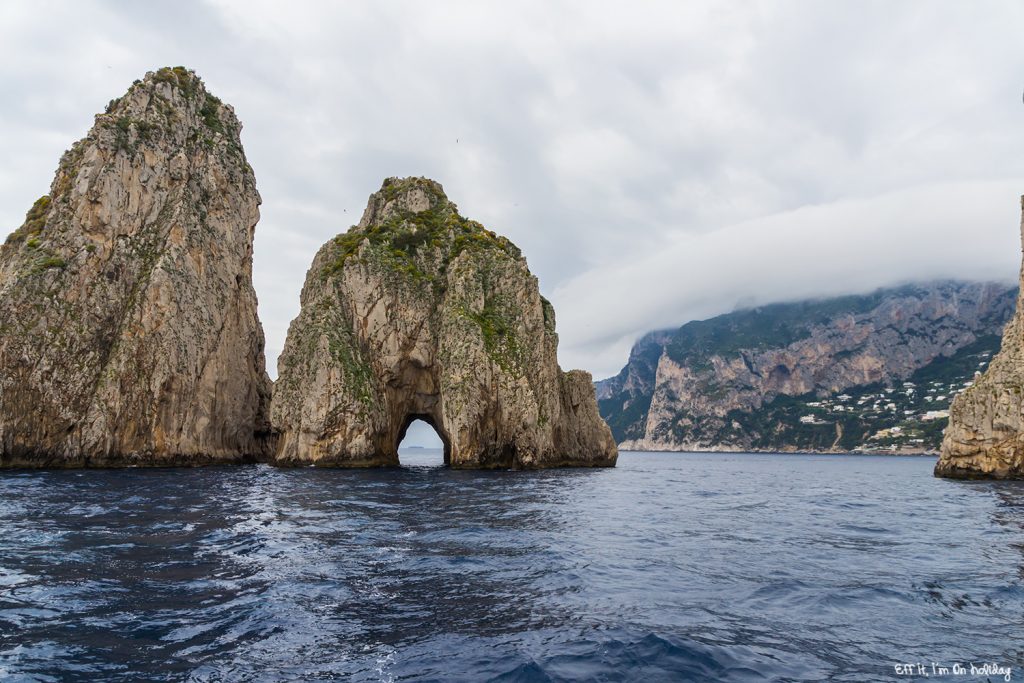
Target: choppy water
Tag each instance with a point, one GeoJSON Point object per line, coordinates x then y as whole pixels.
{"type": "Point", "coordinates": [669, 567]}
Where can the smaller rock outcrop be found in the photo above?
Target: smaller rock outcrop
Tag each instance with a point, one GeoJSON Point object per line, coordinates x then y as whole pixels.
{"type": "Point", "coordinates": [985, 436]}
{"type": "Point", "coordinates": [417, 312]}
{"type": "Point", "coordinates": [128, 327]}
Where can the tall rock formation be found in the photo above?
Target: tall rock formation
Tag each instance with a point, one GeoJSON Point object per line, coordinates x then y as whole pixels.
{"type": "Point", "coordinates": [417, 312]}
{"type": "Point", "coordinates": [985, 437]}
{"type": "Point", "coordinates": [128, 328]}
{"type": "Point", "coordinates": [768, 378]}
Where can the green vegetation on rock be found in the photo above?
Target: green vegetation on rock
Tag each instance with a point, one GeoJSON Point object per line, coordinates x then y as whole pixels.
{"type": "Point", "coordinates": [549, 315]}
{"type": "Point", "coordinates": [497, 328]}
{"type": "Point", "coordinates": [35, 221]}
{"type": "Point", "coordinates": [626, 417]}
{"type": "Point", "coordinates": [210, 111]}
{"type": "Point", "coordinates": [51, 262]}
{"type": "Point", "coordinates": [341, 343]}
{"type": "Point", "coordinates": [420, 243]}
{"type": "Point", "coordinates": [123, 127]}
{"type": "Point", "coordinates": [179, 77]}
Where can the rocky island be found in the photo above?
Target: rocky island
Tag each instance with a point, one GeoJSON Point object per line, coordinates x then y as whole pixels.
{"type": "Point", "coordinates": [128, 326]}
{"type": "Point", "coordinates": [129, 334]}
{"type": "Point", "coordinates": [870, 373]}
{"type": "Point", "coordinates": [420, 313]}
{"type": "Point", "coordinates": [985, 437]}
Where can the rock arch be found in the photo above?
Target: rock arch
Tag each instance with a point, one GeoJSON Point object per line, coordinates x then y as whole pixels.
{"type": "Point", "coordinates": [446, 444]}
{"type": "Point", "coordinates": [418, 311]}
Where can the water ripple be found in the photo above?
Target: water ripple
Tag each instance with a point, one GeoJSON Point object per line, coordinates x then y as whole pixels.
{"type": "Point", "coordinates": [670, 567]}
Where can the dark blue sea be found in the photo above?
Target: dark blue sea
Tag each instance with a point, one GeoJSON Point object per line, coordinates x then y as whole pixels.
{"type": "Point", "coordinates": [671, 567]}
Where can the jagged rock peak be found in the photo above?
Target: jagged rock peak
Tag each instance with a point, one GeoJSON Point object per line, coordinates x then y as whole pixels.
{"type": "Point", "coordinates": [407, 214]}
{"type": "Point", "coordinates": [172, 100]}
{"type": "Point", "coordinates": [419, 312]}
{"type": "Point", "coordinates": [985, 436]}
{"type": "Point", "coordinates": [128, 327]}
{"type": "Point", "coordinates": [399, 197]}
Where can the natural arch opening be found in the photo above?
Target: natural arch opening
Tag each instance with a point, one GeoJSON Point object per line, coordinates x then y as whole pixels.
{"type": "Point", "coordinates": [422, 444]}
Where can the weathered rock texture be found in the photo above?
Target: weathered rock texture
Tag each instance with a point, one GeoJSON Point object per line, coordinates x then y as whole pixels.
{"type": "Point", "coordinates": [985, 436]}
{"type": "Point", "coordinates": [418, 312]}
{"type": "Point", "coordinates": [128, 328]}
{"type": "Point", "coordinates": [716, 384]}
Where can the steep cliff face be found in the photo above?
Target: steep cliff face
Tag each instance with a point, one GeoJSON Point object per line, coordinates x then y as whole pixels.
{"type": "Point", "coordinates": [128, 328]}
{"type": "Point", "coordinates": [624, 400]}
{"type": "Point", "coordinates": [712, 376]}
{"type": "Point", "coordinates": [985, 437]}
{"type": "Point", "coordinates": [418, 312]}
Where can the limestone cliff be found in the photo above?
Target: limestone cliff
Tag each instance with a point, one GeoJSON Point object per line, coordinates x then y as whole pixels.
{"type": "Point", "coordinates": [128, 328]}
{"type": "Point", "coordinates": [768, 378]}
{"type": "Point", "coordinates": [985, 437]}
{"type": "Point", "coordinates": [417, 312]}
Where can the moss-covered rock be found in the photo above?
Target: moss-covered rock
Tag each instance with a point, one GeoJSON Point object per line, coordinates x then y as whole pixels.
{"type": "Point", "coordinates": [418, 312]}
{"type": "Point", "coordinates": [128, 316]}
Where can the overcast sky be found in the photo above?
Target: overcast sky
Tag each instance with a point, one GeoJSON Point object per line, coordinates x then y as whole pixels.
{"type": "Point", "coordinates": [656, 162]}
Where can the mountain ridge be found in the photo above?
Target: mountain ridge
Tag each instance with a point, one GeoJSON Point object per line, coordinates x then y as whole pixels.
{"type": "Point", "coordinates": [702, 385]}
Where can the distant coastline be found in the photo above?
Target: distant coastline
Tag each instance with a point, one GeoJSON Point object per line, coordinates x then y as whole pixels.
{"type": "Point", "coordinates": [914, 452]}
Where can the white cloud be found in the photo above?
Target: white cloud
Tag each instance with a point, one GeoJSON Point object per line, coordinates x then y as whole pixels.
{"type": "Point", "coordinates": [603, 138]}
{"type": "Point", "coordinates": [853, 245]}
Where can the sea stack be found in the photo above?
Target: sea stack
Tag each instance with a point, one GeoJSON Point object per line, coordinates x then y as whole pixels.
{"type": "Point", "coordinates": [985, 436]}
{"type": "Point", "coordinates": [417, 312]}
{"type": "Point", "coordinates": [128, 327]}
